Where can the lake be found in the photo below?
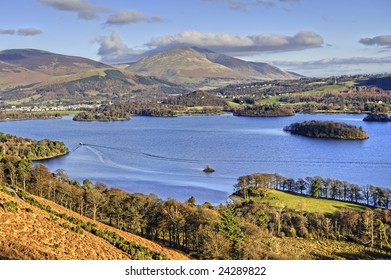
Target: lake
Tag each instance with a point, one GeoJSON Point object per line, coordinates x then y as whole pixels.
{"type": "Point", "coordinates": [166, 156]}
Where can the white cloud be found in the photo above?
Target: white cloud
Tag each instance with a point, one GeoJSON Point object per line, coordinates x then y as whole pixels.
{"type": "Point", "coordinates": [126, 17]}
{"type": "Point", "coordinates": [26, 31]}
{"type": "Point", "coordinates": [113, 50]}
{"type": "Point", "coordinates": [384, 40]}
{"type": "Point", "coordinates": [7, 31]}
{"type": "Point", "coordinates": [84, 9]}
{"type": "Point", "coordinates": [239, 44]}
{"type": "Point", "coordinates": [29, 31]}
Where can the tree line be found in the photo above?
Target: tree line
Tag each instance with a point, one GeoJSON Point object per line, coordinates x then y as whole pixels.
{"type": "Point", "coordinates": [234, 230]}
{"type": "Point", "coordinates": [258, 184]}
{"type": "Point", "coordinates": [30, 149]}
{"type": "Point", "coordinates": [196, 102]}
{"type": "Point", "coordinates": [264, 110]}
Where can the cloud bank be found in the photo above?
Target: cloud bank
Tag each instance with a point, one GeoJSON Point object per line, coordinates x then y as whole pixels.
{"type": "Point", "coordinates": [113, 49]}
{"type": "Point", "coordinates": [26, 31]}
{"type": "Point", "coordinates": [243, 5]}
{"type": "Point", "coordinates": [88, 11]}
{"type": "Point", "coordinates": [126, 17]}
{"type": "Point", "coordinates": [83, 9]}
{"type": "Point", "coordinates": [383, 41]}
{"type": "Point", "coordinates": [337, 66]}
{"type": "Point", "coordinates": [237, 44]}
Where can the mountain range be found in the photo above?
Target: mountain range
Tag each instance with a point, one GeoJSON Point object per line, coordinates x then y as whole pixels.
{"type": "Point", "coordinates": [29, 76]}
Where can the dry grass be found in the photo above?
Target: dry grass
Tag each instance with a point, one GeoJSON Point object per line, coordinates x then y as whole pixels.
{"type": "Point", "coordinates": [323, 249]}
{"type": "Point", "coordinates": [35, 234]}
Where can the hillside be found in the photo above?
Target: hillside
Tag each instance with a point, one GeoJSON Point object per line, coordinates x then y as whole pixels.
{"type": "Point", "coordinates": [28, 232]}
{"type": "Point", "coordinates": [48, 63]}
{"type": "Point", "coordinates": [39, 78]}
{"type": "Point", "coordinates": [198, 67]}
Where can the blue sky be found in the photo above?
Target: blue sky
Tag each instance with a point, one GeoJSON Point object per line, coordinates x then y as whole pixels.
{"type": "Point", "coordinates": [314, 38]}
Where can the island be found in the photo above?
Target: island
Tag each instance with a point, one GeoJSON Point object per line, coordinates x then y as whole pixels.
{"type": "Point", "coordinates": [377, 118]}
{"type": "Point", "coordinates": [327, 129]}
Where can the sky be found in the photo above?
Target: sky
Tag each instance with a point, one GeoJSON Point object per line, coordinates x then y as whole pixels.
{"type": "Point", "coordinates": [310, 37]}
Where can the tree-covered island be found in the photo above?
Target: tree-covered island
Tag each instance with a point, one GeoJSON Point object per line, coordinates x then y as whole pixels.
{"type": "Point", "coordinates": [327, 129]}
{"type": "Point", "coordinates": [377, 118]}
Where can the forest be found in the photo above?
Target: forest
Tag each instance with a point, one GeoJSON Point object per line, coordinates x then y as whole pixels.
{"type": "Point", "coordinates": [327, 129]}
{"type": "Point", "coordinates": [238, 229]}
{"type": "Point", "coordinates": [30, 149]}
{"type": "Point", "coordinates": [196, 102]}
{"type": "Point", "coordinates": [264, 110]}
{"type": "Point", "coordinates": [22, 115]}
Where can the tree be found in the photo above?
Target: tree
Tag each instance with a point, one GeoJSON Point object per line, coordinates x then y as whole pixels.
{"type": "Point", "coordinates": [301, 185]}
{"type": "Point", "coordinates": [230, 225]}
{"type": "Point", "coordinates": [95, 200]}
{"type": "Point", "coordinates": [41, 180]}
{"type": "Point", "coordinates": [23, 169]}
{"type": "Point", "coordinates": [315, 188]}
{"type": "Point", "coordinates": [87, 184]}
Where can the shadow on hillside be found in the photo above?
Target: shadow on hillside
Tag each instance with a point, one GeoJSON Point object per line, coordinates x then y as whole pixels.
{"type": "Point", "coordinates": [366, 255]}
{"type": "Point", "coordinates": [381, 82]}
{"type": "Point", "coordinates": [353, 207]}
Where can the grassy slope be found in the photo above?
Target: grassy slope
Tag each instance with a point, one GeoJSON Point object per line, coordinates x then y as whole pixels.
{"type": "Point", "coordinates": [36, 234]}
{"type": "Point", "coordinates": [329, 88]}
{"type": "Point", "coordinates": [289, 248]}
{"type": "Point", "coordinates": [309, 204]}
{"type": "Point", "coordinates": [309, 249]}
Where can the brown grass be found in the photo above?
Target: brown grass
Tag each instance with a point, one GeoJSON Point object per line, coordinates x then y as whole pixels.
{"type": "Point", "coordinates": [38, 235]}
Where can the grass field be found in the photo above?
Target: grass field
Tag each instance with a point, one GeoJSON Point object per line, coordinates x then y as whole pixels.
{"type": "Point", "coordinates": [304, 203]}
{"type": "Point", "coordinates": [59, 112]}
{"type": "Point", "coordinates": [329, 88]}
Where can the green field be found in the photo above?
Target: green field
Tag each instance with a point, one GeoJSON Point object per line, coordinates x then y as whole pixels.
{"type": "Point", "coordinates": [329, 88]}
{"type": "Point", "coordinates": [308, 204]}
{"type": "Point", "coordinates": [59, 112]}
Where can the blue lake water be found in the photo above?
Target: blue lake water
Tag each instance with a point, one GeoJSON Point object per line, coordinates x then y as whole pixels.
{"type": "Point", "coordinates": [166, 156]}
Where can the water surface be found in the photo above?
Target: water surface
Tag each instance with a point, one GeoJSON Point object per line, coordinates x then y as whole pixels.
{"type": "Point", "coordinates": [166, 156]}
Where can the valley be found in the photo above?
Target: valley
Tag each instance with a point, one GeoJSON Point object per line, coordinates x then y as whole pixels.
{"type": "Point", "coordinates": [135, 183]}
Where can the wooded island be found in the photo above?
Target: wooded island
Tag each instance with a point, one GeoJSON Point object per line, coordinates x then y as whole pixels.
{"type": "Point", "coordinates": [327, 129]}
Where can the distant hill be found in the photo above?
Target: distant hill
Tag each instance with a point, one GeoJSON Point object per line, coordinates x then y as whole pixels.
{"type": "Point", "coordinates": [48, 63]}
{"type": "Point", "coordinates": [31, 77]}
{"type": "Point", "coordinates": [197, 67]}
{"type": "Point", "coordinates": [31, 233]}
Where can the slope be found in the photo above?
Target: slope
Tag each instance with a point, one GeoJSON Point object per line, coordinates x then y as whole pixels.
{"type": "Point", "coordinates": [29, 232]}
{"type": "Point", "coordinates": [48, 63]}
{"type": "Point", "coordinates": [35, 78]}
{"type": "Point", "coordinates": [197, 67]}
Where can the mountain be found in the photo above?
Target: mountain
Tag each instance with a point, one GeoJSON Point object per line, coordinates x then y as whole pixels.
{"type": "Point", "coordinates": [33, 232]}
{"type": "Point", "coordinates": [198, 67]}
{"type": "Point", "coordinates": [48, 63]}
{"type": "Point", "coordinates": [34, 77]}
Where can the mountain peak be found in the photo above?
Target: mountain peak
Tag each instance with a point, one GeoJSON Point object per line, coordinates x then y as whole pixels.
{"type": "Point", "coordinates": [197, 67]}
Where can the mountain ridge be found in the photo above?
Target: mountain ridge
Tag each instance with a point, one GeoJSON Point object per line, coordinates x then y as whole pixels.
{"type": "Point", "coordinates": [195, 66]}
{"type": "Point", "coordinates": [31, 77]}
